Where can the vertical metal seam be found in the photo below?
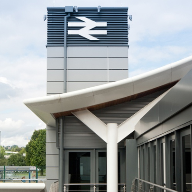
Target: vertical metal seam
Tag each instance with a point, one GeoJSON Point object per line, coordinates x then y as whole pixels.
{"type": "Point", "coordinates": [65, 52]}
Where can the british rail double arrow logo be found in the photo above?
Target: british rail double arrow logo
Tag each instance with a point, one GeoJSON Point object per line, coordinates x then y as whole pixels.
{"type": "Point", "coordinates": [88, 24]}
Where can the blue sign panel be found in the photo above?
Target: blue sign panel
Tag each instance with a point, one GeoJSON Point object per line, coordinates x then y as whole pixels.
{"type": "Point", "coordinates": [90, 26]}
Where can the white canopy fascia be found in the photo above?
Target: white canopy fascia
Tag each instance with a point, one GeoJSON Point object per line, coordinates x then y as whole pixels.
{"type": "Point", "coordinates": [45, 106]}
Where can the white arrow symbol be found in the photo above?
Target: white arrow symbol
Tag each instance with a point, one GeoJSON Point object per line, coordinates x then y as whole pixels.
{"type": "Point", "coordinates": [87, 24]}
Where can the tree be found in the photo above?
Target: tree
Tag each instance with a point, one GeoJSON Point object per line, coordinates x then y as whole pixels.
{"type": "Point", "coordinates": [36, 150]}
{"type": "Point", "coordinates": [16, 160]}
{"type": "Point", "coordinates": [3, 161]}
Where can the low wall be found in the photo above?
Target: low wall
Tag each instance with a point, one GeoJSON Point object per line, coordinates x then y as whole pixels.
{"type": "Point", "coordinates": [22, 187]}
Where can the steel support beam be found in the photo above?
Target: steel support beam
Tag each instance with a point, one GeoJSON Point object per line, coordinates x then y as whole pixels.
{"type": "Point", "coordinates": [112, 158]}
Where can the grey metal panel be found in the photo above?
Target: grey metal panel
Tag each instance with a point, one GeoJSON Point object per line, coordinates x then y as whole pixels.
{"type": "Point", "coordinates": [87, 75]}
{"type": "Point", "coordinates": [116, 75]}
{"type": "Point", "coordinates": [55, 63]}
{"type": "Point", "coordinates": [50, 135]}
{"type": "Point", "coordinates": [117, 51]}
{"type": "Point", "coordinates": [55, 75]}
{"type": "Point", "coordinates": [172, 123]}
{"type": "Point", "coordinates": [51, 149]}
{"type": "Point", "coordinates": [118, 63]}
{"type": "Point", "coordinates": [55, 52]}
{"type": "Point", "coordinates": [172, 102]}
{"type": "Point", "coordinates": [55, 87]}
{"type": "Point", "coordinates": [179, 119]}
{"type": "Point", "coordinates": [52, 160]}
{"type": "Point", "coordinates": [52, 172]}
{"type": "Point", "coordinates": [131, 162]}
{"type": "Point", "coordinates": [149, 120]}
{"type": "Point", "coordinates": [117, 26]}
{"type": "Point", "coordinates": [80, 141]}
{"type": "Point", "coordinates": [87, 52]}
{"type": "Point", "coordinates": [151, 134]}
{"type": "Point", "coordinates": [176, 99]}
{"type": "Point", "coordinates": [165, 107]}
{"type": "Point", "coordinates": [119, 113]}
{"type": "Point", "coordinates": [78, 135]}
{"type": "Point", "coordinates": [73, 86]}
{"type": "Point", "coordinates": [87, 63]}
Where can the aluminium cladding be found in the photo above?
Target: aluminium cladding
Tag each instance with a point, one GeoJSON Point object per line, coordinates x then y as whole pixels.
{"type": "Point", "coordinates": [117, 26]}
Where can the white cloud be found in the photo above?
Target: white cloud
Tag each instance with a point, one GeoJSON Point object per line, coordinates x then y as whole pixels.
{"type": "Point", "coordinates": [160, 33]}
{"type": "Point", "coordinates": [15, 140]}
{"type": "Point", "coordinates": [10, 125]}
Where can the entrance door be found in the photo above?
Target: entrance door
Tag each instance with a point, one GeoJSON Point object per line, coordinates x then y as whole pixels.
{"type": "Point", "coordinates": [101, 169]}
{"type": "Point", "coordinates": [87, 166]}
{"type": "Point", "coordinates": [79, 170]}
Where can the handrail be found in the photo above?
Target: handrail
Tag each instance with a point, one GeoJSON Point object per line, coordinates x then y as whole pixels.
{"type": "Point", "coordinates": [92, 185]}
{"type": "Point", "coordinates": [68, 184]}
{"type": "Point", "coordinates": [171, 190]}
{"type": "Point", "coordinates": [22, 179]}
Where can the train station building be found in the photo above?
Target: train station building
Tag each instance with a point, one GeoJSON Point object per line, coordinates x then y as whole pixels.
{"type": "Point", "coordinates": [106, 131]}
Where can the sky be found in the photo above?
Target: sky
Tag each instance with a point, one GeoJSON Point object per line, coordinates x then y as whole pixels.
{"type": "Point", "coordinates": [160, 33]}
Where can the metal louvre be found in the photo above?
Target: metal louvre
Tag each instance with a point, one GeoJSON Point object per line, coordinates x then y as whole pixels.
{"type": "Point", "coordinates": [117, 27]}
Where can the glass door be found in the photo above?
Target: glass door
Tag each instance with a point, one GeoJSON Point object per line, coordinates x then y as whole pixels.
{"type": "Point", "coordinates": [101, 169]}
{"type": "Point", "coordinates": [79, 170]}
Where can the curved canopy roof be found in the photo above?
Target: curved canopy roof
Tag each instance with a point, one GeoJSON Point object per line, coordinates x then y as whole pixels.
{"type": "Point", "coordinates": [49, 107]}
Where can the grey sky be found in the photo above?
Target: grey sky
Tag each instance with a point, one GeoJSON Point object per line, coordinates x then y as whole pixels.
{"type": "Point", "coordinates": [160, 34]}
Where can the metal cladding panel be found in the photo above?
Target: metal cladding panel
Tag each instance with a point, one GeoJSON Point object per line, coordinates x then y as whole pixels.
{"type": "Point", "coordinates": [87, 52]}
{"type": "Point", "coordinates": [78, 135]}
{"type": "Point", "coordinates": [73, 86]}
{"type": "Point", "coordinates": [55, 75]}
{"type": "Point", "coordinates": [87, 63]}
{"type": "Point", "coordinates": [118, 63]}
{"type": "Point", "coordinates": [116, 75]}
{"type": "Point", "coordinates": [52, 172]}
{"type": "Point", "coordinates": [117, 26]}
{"type": "Point", "coordinates": [119, 113]}
{"type": "Point", "coordinates": [169, 125]}
{"type": "Point", "coordinates": [87, 75]}
{"type": "Point", "coordinates": [55, 52]}
{"type": "Point", "coordinates": [179, 97]}
{"type": "Point", "coordinates": [52, 160]}
{"type": "Point", "coordinates": [55, 87]}
{"type": "Point", "coordinates": [55, 63]}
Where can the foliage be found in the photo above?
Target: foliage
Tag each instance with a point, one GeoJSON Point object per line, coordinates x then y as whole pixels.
{"type": "Point", "coordinates": [16, 160]}
{"type": "Point", "coordinates": [36, 150]}
{"type": "Point", "coordinates": [3, 161]}
{"type": "Point", "coordinates": [2, 152]}
{"type": "Point", "coordinates": [22, 151]}
{"type": "Point", "coordinates": [13, 148]}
